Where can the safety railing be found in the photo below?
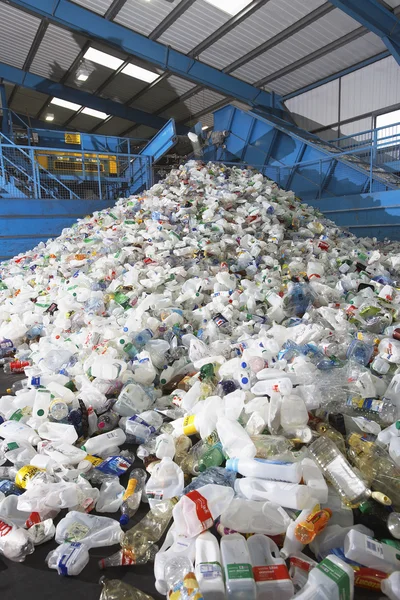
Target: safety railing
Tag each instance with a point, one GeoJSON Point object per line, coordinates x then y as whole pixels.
{"type": "Point", "coordinates": [39, 172]}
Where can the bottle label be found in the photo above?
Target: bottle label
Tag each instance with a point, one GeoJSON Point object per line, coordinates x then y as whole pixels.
{"type": "Point", "coordinates": [95, 460]}
{"type": "Point", "coordinates": [239, 571]}
{"type": "Point", "coordinates": [130, 488]}
{"type": "Point", "coordinates": [271, 573]}
{"type": "Point", "coordinates": [24, 475]}
{"type": "Point", "coordinates": [4, 529]}
{"type": "Point", "coordinates": [210, 570]}
{"type": "Point", "coordinates": [189, 427]}
{"type": "Point", "coordinates": [338, 575]}
{"type": "Point", "coordinates": [374, 547]}
{"type": "Point", "coordinates": [203, 512]}
{"type": "Point", "coordinates": [126, 560]}
{"type": "Point", "coordinates": [302, 564]}
{"type": "Point", "coordinates": [68, 559]}
{"type": "Point", "coordinates": [34, 519]}
{"type": "Point", "coordinates": [114, 465]}
{"type": "Point", "coordinates": [369, 579]}
{"type": "Point", "coordinates": [76, 532]}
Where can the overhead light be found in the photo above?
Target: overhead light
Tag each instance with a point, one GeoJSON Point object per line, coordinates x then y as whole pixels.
{"type": "Point", "coordinates": [102, 58]}
{"type": "Point", "coordinates": [140, 73]}
{"type": "Point", "coordinates": [82, 75]}
{"type": "Point", "coordinates": [49, 117]}
{"type": "Point", "coordinates": [232, 7]}
{"type": "Point", "coordinates": [95, 113]}
{"type": "Point", "coordinates": [205, 127]}
{"type": "Point", "coordinates": [65, 104]}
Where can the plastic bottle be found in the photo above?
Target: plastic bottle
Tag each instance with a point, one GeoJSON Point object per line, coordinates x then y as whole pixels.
{"type": "Point", "coordinates": [332, 579]}
{"type": "Point", "coordinates": [270, 571]}
{"type": "Point", "coordinates": [15, 543]}
{"type": "Point", "coordinates": [266, 469]}
{"type": "Point", "coordinates": [122, 559]}
{"type": "Point", "coordinates": [166, 481]}
{"type": "Point", "coordinates": [371, 553]}
{"type": "Point", "coordinates": [57, 432]}
{"type": "Point", "coordinates": [239, 579]}
{"type": "Point", "coordinates": [346, 482]}
{"type": "Point", "coordinates": [173, 545]}
{"type": "Point", "coordinates": [104, 441]}
{"type": "Point", "coordinates": [247, 516]}
{"type": "Point", "coordinates": [290, 495]}
{"type": "Point", "coordinates": [197, 510]}
{"type": "Point", "coordinates": [234, 439]}
{"type": "Point", "coordinates": [181, 580]}
{"type": "Point", "coordinates": [142, 426]}
{"type": "Point", "coordinates": [18, 432]}
{"type": "Point", "coordinates": [69, 559]}
{"type": "Point", "coordinates": [208, 567]}
{"type": "Point", "coordinates": [111, 495]}
{"type": "Point", "coordinates": [114, 589]}
{"type": "Point", "coordinates": [391, 586]}
{"type": "Point", "coordinates": [149, 530]}
{"type": "Point", "coordinates": [133, 495]}
{"type": "Point", "coordinates": [132, 400]}
{"type": "Point", "coordinates": [314, 480]}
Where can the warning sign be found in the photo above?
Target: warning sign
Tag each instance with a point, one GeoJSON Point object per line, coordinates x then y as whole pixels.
{"type": "Point", "coordinates": [72, 138]}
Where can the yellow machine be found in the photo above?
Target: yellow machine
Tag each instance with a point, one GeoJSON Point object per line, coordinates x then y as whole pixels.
{"type": "Point", "coordinates": [66, 163]}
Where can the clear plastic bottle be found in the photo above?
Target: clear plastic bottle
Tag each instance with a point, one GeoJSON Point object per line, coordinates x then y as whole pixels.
{"type": "Point", "coordinates": [181, 579]}
{"type": "Point", "coordinates": [115, 589]}
{"type": "Point", "coordinates": [133, 495]}
{"type": "Point", "coordinates": [347, 483]}
{"type": "Point", "coordinates": [149, 530]}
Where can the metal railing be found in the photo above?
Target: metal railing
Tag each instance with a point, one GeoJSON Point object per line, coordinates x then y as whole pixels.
{"type": "Point", "coordinates": [384, 141]}
{"type": "Point", "coordinates": [40, 172]}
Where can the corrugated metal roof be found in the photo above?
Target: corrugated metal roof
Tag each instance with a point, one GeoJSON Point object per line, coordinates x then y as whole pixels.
{"type": "Point", "coordinates": [27, 102]}
{"type": "Point", "coordinates": [192, 105]}
{"type": "Point", "coordinates": [196, 23]}
{"type": "Point", "coordinates": [311, 38]}
{"type": "Point", "coordinates": [144, 16]}
{"type": "Point", "coordinates": [97, 75]}
{"type": "Point", "coordinates": [393, 3]}
{"type": "Point", "coordinates": [350, 54]}
{"type": "Point", "coordinates": [18, 30]}
{"type": "Point", "coordinates": [164, 92]}
{"type": "Point", "coordinates": [83, 122]}
{"type": "Point", "coordinates": [114, 126]}
{"type": "Point", "coordinates": [56, 53]}
{"type": "Point", "coordinates": [97, 6]}
{"type": "Point", "coordinates": [265, 23]}
{"type": "Point", "coordinates": [123, 87]}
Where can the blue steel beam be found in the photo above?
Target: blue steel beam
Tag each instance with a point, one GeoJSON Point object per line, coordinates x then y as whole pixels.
{"type": "Point", "coordinates": [5, 128]}
{"type": "Point", "coordinates": [377, 18]}
{"type": "Point", "coordinates": [53, 88]}
{"type": "Point", "coordinates": [76, 18]}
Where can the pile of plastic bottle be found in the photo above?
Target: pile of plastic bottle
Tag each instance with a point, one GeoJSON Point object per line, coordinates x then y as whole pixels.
{"type": "Point", "coordinates": [240, 349]}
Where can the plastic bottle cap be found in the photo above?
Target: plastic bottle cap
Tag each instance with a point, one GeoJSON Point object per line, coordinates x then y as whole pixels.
{"type": "Point", "coordinates": [397, 424]}
{"type": "Point", "coordinates": [124, 519]}
{"type": "Point", "coordinates": [232, 464]}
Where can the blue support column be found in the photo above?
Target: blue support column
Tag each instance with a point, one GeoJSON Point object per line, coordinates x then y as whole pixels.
{"type": "Point", "coordinates": [83, 21]}
{"type": "Point", "coordinates": [5, 116]}
{"type": "Point", "coordinates": [377, 18]}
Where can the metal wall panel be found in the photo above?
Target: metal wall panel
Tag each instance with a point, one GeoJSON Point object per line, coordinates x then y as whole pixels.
{"type": "Point", "coordinates": [320, 106]}
{"type": "Point", "coordinates": [18, 30]}
{"type": "Point", "coordinates": [265, 23]}
{"type": "Point", "coordinates": [311, 38]}
{"type": "Point", "coordinates": [356, 126]}
{"type": "Point", "coordinates": [56, 53]}
{"type": "Point", "coordinates": [346, 56]}
{"type": "Point", "coordinates": [196, 23]}
{"type": "Point", "coordinates": [97, 6]}
{"type": "Point", "coordinates": [371, 88]}
{"type": "Point", "coordinates": [144, 16]}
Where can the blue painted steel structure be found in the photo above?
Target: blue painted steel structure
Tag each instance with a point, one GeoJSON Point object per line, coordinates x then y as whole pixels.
{"type": "Point", "coordinates": [53, 88]}
{"type": "Point", "coordinates": [377, 18]}
{"type": "Point", "coordinates": [366, 215]}
{"type": "Point", "coordinates": [26, 222]}
{"type": "Point", "coordinates": [5, 122]}
{"type": "Point", "coordinates": [76, 18]}
{"type": "Point", "coordinates": [295, 158]}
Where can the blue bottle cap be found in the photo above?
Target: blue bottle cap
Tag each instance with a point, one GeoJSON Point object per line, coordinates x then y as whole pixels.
{"type": "Point", "coordinates": [232, 464]}
{"type": "Point", "coordinates": [124, 519]}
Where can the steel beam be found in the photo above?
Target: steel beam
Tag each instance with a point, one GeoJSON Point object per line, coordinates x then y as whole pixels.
{"type": "Point", "coordinates": [76, 18]}
{"type": "Point", "coordinates": [4, 106]}
{"type": "Point", "coordinates": [55, 89]}
{"type": "Point", "coordinates": [376, 18]}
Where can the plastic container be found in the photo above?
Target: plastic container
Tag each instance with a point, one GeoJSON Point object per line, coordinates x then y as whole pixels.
{"type": "Point", "coordinates": [197, 510]}
{"type": "Point", "coordinates": [208, 569]}
{"type": "Point", "coordinates": [239, 579]}
{"type": "Point", "coordinates": [104, 441]}
{"type": "Point", "coordinates": [369, 552]}
{"type": "Point", "coordinates": [269, 569]}
{"type": "Point", "coordinates": [266, 469]}
{"type": "Point", "coordinates": [289, 495]}
{"type": "Point", "coordinates": [332, 579]}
